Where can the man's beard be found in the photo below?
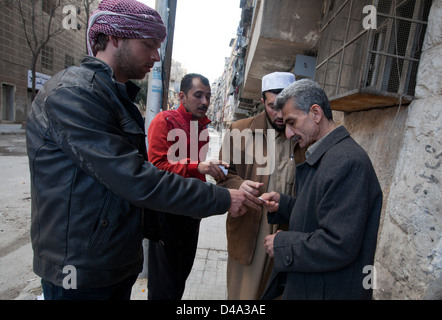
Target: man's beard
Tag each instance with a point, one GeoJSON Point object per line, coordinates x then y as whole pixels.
{"type": "Point", "coordinates": [274, 126]}
{"type": "Point", "coordinates": [124, 59]}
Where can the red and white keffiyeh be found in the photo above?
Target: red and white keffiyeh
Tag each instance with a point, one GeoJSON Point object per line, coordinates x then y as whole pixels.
{"type": "Point", "coordinates": [125, 19]}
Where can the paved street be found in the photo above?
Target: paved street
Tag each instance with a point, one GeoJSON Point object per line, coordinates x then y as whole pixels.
{"type": "Point", "coordinates": [17, 281]}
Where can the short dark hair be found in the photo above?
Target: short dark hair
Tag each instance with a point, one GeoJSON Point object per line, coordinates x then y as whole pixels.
{"type": "Point", "coordinates": [305, 93]}
{"type": "Point", "coordinates": [100, 43]}
{"type": "Point", "coordinates": [186, 82]}
{"type": "Point", "coordinates": [275, 91]}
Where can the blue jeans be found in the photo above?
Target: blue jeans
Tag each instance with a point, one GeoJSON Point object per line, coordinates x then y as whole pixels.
{"type": "Point", "coordinates": [118, 291]}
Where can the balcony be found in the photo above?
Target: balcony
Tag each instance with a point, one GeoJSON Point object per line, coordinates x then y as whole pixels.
{"type": "Point", "coordinates": [279, 31]}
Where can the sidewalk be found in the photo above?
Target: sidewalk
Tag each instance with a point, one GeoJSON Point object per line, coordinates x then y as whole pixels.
{"type": "Point", "coordinates": [207, 280]}
{"type": "Point", "coordinates": [6, 128]}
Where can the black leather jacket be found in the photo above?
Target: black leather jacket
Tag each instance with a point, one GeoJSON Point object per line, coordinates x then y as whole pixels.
{"type": "Point", "coordinates": [90, 180]}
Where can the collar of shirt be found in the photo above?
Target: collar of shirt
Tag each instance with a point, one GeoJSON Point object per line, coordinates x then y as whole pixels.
{"type": "Point", "coordinates": [314, 146]}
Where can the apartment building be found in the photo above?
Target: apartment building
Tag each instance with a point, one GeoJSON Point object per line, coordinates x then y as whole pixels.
{"type": "Point", "coordinates": [24, 24]}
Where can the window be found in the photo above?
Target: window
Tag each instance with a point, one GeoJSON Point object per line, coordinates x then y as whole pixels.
{"type": "Point", "coordinates": [397, 45]}
{"type": "Point", "coordinates": [47, 58]}
{"type": "Point", "coordinates": [369, 68]}
{"type": "Point", "coordinates": [7, 103]}
{"type": "Point", "coordinates": [68, 61]}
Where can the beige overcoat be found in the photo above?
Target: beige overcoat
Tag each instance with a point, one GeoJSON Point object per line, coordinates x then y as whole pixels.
{"type": "Point", "coordinates": [251, 146]}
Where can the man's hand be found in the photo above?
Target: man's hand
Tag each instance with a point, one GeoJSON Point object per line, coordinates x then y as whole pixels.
{"type": "Point", "coordinates": [212, 168]}
{"type": "Point", "coordinates": [268, 244]}
{"type": "Point", "coordinates": [272, 199]}
{"type": "Point", "coordinates": [240, 200]}
{"type": "Point", "coordinates": [251, 187]}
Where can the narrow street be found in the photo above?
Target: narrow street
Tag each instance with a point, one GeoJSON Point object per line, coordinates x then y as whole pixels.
{"type": "Point", "coordinates": [17, 279]}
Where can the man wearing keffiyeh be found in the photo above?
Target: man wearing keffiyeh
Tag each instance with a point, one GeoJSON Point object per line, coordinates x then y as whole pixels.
{"type": "Point", "coordinates": [122, 24]}
{"type": "Point", "coordinates": [125, 19]}
{"type": "Point", "coordinates": [92, 188]}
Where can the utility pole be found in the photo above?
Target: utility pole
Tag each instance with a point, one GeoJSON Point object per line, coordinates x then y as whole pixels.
{"type": "Point", "coordinates": [158, 85]}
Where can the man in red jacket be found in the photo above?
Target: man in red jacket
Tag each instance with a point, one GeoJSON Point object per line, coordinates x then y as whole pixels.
{"type": "Point", "coordinates": [178, 142]}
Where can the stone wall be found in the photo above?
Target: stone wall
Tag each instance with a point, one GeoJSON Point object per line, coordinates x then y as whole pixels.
{"type": "Point", "coordinates": [405, 147]}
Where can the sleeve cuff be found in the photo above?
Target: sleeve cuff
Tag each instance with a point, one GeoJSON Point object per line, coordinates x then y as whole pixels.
{"type": "Point", "coordinates": [193, 169]}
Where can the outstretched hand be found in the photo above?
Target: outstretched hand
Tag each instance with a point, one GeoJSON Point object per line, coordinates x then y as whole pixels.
{"type": "Point", "coordinates": [251, 187]}
{"type": "Point", "coordinates": [271, 201]}
{"type": "Point", "coordinates": [211, 167]}
{"type": "Point", "coordinates": [241, 200]}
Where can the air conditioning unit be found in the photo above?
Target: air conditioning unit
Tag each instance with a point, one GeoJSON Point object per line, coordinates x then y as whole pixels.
{"type": "Point", "coordinates": [363, 68]}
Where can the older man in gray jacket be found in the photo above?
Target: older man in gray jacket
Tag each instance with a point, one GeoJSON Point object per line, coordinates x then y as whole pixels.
{"type": "Point", "coordinates": [334, 218]}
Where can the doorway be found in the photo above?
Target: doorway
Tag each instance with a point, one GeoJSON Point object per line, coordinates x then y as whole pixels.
{"type": "Point", "coordinates": [7, 103]}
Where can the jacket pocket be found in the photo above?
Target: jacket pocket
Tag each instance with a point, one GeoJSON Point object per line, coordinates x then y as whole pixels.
{"type": "Point", "coordinates": [105, 223]}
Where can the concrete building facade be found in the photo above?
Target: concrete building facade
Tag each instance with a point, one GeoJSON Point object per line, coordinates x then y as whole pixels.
{"type": "Point", "coordinates": [380, 63]}
{"type": "Point", "coordinates": [64, 49]}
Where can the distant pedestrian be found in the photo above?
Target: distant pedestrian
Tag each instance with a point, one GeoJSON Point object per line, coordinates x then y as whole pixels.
{"type": "Point", "coordinates": [90, 181]}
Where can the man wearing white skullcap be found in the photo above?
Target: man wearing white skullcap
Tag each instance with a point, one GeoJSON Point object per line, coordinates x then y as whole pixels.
{"type": "Point", "coordinates": [248, 266]}
{"type": "Point", "coordinates": [277, 81]}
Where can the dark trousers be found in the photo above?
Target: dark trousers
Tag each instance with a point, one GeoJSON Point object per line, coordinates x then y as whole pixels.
{"type": "Point", "coordinates": [118, 291]}
{"type": "Point", "coordinates": [171, 259]}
